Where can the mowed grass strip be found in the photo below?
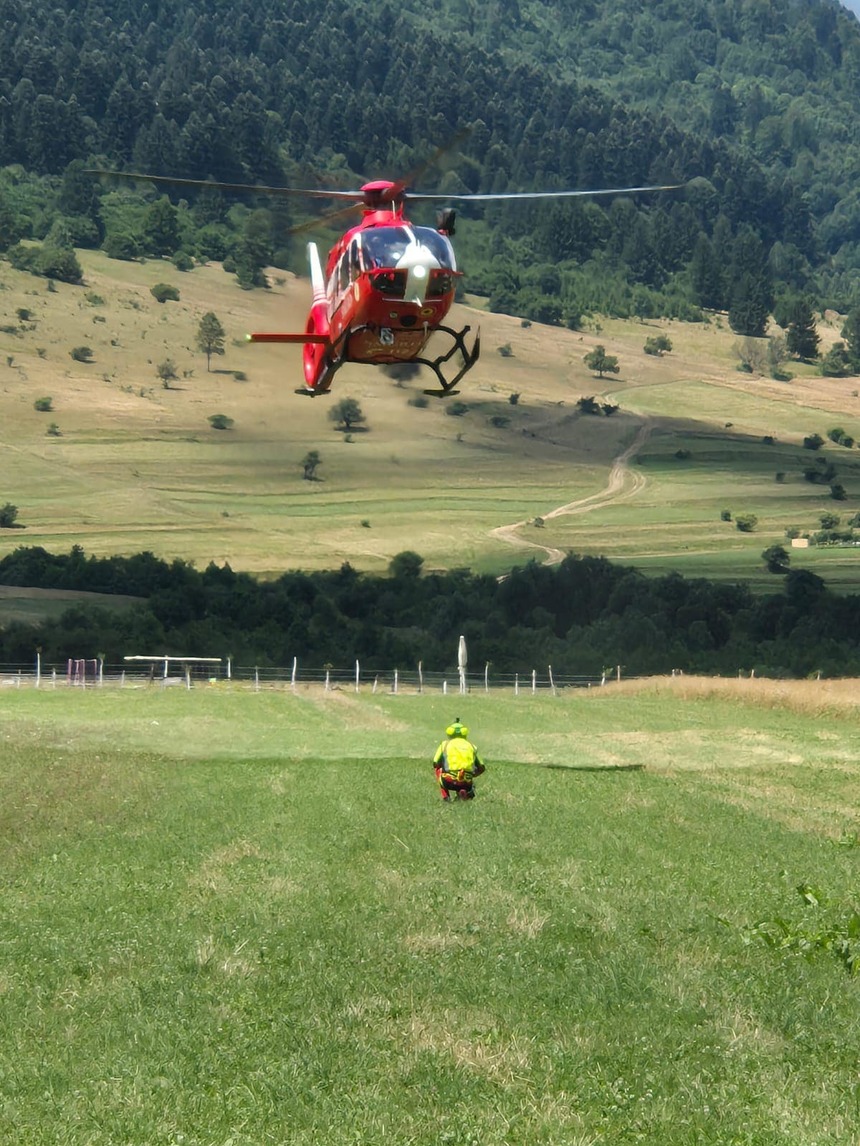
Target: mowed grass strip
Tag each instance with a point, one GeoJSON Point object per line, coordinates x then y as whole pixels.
{"type": "Point", "coordinates": [247, 917]}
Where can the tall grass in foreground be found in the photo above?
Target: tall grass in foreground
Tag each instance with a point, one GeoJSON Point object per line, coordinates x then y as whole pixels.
{"type": "Point", "coordinates": [240, 918]}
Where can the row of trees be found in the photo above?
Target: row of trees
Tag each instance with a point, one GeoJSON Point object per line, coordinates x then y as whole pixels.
{"type": "Point", "coordinates": [578, 617]}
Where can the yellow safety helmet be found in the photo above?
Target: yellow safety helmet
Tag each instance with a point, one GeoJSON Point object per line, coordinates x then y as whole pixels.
{"type": "Point", "coordinates": [457, 729]}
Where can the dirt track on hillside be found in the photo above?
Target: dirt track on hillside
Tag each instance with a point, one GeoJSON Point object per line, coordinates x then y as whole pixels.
{"type": "Point", "coordinates": [623, 484]}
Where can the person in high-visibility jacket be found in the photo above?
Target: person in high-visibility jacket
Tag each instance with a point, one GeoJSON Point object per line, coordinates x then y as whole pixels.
{"type": "Point", "coordinates": [457, 763]}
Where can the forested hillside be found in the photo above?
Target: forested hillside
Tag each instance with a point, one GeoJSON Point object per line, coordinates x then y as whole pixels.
{"type": "Point", "coordinates": [751, 103]}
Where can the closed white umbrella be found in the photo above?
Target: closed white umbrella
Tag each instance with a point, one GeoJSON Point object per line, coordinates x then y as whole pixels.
{"type": "Point", "coordinates": [462, 661]}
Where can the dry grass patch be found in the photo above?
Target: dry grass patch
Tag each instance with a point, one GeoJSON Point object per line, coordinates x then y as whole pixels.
{"type": "Point", "coordinates": [806, 697]}
{"type": "Point", "coordinates": [471, 1042]}
{"type": "Point", "coordinates": [216, 870]}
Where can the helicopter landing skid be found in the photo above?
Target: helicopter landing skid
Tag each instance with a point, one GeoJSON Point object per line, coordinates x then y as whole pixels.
{"type": "Point", "coordinates": [470, 357]}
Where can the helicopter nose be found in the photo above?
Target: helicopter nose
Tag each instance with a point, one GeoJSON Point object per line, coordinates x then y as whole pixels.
{"type": "Point", "coordinates": [418, 262]}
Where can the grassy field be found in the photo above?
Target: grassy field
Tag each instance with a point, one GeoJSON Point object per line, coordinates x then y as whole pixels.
{"type": "Point", "coordinates": [138, 467]}
{"type": "Point", "coordinates": [235, 917]}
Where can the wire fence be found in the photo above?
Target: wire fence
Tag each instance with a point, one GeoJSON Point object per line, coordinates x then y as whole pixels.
{"type": "Point", "coordinates": [197, 672]}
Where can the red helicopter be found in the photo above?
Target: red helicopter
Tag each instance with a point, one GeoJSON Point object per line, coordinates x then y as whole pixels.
{"type": "Point", "coordinates": [387, 285]}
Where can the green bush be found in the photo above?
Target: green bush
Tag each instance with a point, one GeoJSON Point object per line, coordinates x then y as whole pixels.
{"type": "Point", "coordinates": [122, 246]}
{"type": "Point", "coordinates": [163, 292]}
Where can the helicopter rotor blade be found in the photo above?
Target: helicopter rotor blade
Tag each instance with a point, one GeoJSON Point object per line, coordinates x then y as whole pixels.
{"type": "Point", "coordinates": [398, 189]}
{"type": "Point", "coordinates": [324, 220]}
{"type": "Point", "coordinates": [500, 195]}
{"type": "Point", "coordinates": [237, 188]}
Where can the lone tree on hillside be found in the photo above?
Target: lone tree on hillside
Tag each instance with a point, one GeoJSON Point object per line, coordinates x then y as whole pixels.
{"type": "Point", "coordinates": [776, 559]}
{"type": "Point", "coordinates": [347, 414]}
{"type": "Point", "coordinates": [601, 362]}
{"type": "Point", "coordinates": [8, 514]}
{"type": "Point", "coordinates": [407, 564]}
{"type": "Point", "coordinates": [659, 345]}
{"type": "Point", "coordinates": [309, 465]}
{"type": "Point", "coordinates": [166, 372]}
{"type": "Point", "coordinates": [210, 337]}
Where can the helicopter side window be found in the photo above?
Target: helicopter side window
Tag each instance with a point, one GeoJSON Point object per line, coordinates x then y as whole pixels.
{"type": "Point", "coordinates": [355, 267]}
{"type": "Point", "coordinates": [343, 272]}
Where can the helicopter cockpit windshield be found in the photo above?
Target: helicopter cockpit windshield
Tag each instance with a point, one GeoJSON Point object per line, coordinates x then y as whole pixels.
{"type": "Point", "coordinates": [386, 246]}
{"type": "Point", "coordinates": [412, 263]}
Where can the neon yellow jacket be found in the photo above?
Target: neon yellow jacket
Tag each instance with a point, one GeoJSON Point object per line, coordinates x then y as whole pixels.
{"type": "Point", "coordinates": [458, 755]}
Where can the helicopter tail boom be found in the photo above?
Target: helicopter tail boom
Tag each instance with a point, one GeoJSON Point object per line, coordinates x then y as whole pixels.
{"type": "Point", "coordinates": [321, 339]}
{"type": "Point", "coordinates": [317, 276]}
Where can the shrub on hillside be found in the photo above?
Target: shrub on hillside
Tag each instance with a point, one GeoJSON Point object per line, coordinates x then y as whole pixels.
{"type": "Point", "coordinates": [164, 292]}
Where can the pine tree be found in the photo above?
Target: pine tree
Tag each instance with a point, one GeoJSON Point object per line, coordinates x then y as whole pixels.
{"type": "Point", "coordinates": [801, 336]}
{"type": "Point", "coordinates": [851, 333]}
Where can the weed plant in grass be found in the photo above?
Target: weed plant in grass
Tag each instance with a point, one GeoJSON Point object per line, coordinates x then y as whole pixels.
{"type": "Point", "coordinates": [247, 917]}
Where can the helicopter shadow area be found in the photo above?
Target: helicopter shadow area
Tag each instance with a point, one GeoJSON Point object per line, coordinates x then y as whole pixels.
{"type": "Point", "coordinates": [594, 767]}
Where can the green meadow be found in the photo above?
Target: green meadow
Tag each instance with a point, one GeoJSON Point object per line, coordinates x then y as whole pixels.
{"type": "Point", "coordinates": [237, 917]}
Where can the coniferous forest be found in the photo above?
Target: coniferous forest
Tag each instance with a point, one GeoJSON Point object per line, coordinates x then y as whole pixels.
{"type": "Point", "coordinates": [751, 105]}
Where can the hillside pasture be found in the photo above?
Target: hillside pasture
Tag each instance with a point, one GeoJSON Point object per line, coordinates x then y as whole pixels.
{"type": "Point", "coordinates": [247, 917]}
{"type": "Point", "coordinates": [29, 605]}
{"type": "Point", "coordinates": [137, 466]}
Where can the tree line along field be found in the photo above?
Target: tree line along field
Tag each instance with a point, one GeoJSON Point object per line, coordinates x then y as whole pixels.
{"type": "Point", "coordinates": [121, 464]}
{"type": "Point", "coordinates": [234, 916]}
